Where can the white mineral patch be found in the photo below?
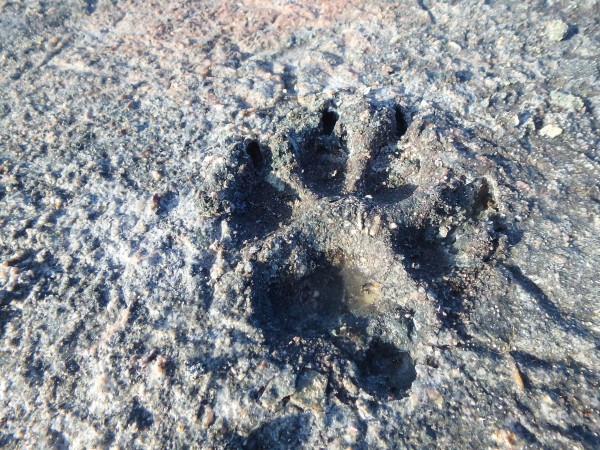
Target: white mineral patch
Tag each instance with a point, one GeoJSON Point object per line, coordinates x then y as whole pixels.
{"type": "Point", "coordinates": [566, 101]}
{"type": "Point", "coordinates": [551, 131]}
{"type": "Point", "coordinates": [556, 30]}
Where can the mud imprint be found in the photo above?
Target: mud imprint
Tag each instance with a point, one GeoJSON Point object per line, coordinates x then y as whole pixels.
{"type": "Point", "coordinates": [360, 292]}
{"type": "Point", "coordinates": [318, 302]}
{"type": "Point", "coordinates": [323, 158]}
{"type": "Point", "coordinates": [330, 308]}
{"type": "Point", "coordinates": [261, 208]}
{"type": "Point", "coordinates": [386, 370]}
{"type": "Point", "coordinates": [264, 210]}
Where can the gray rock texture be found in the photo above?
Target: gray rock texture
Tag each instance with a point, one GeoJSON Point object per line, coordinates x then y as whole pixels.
{"type": "Point", "coordinates": [251, 224]}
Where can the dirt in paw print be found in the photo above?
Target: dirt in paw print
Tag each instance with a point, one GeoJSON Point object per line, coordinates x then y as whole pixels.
{"type": "Point", "coordinates": [331, 309]}
{"type": "Point", "coordinates": [318, 302]}
{"type": "Point", "coordinates": [323, 157]}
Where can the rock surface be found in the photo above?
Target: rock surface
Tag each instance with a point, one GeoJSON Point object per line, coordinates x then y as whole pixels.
{"type": "Point", "coordinates": [281, 225]}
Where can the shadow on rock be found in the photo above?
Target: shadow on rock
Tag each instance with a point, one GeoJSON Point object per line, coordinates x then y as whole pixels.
{"type": "Point", "coordinates": [564, 320]}
{"type": "Point", "coordinates": [428, 261]}
{"type": "Point", "coordinates": [289, 432]}
{"type": "Point", "coordinates": [264, 203]}
{"type": "Point", "coordinates": [322, 156]}
{"type": "Point", "coordinates": [263, 211]}
{"type": "Point", "coordinates": [386, 371]}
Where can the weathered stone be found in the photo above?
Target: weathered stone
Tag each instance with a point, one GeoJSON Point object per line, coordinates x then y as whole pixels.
{"type": "Point", "coordinates": [283, 385]}
{"type": "Point", "coordinates": [310, 390]}
{"type": "Point", "coordinates": [556, 30]}
{"type": "Point", "coordinates": [551, 131]}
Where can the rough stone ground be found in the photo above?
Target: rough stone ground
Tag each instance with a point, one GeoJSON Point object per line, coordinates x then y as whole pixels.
{"type": "Point", "coordinates": [280, 225]}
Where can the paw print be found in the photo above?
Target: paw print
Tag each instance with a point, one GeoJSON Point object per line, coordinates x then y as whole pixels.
{"type": "Point", "coordinates": [358, 260]}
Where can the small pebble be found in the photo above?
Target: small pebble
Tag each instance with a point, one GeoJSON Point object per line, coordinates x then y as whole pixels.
{"type": "Point", "coordinates": [388, 70]}
{"type": "Point", "coordinates": [551, 131]}
{"type": "Point", "coordinates": [278, 388]}
{"type": "Point", "coordinates": [208, 418]}
{"type": "Point", "coordinates": [376, 226]}
{"type": "Point", "coordinates": [556, 30]}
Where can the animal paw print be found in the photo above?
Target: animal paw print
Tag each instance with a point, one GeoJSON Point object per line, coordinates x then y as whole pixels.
{"type": "Point", "coordinates": [356, 260]}
{"type": "Point", "coordinates": [337, 157]}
